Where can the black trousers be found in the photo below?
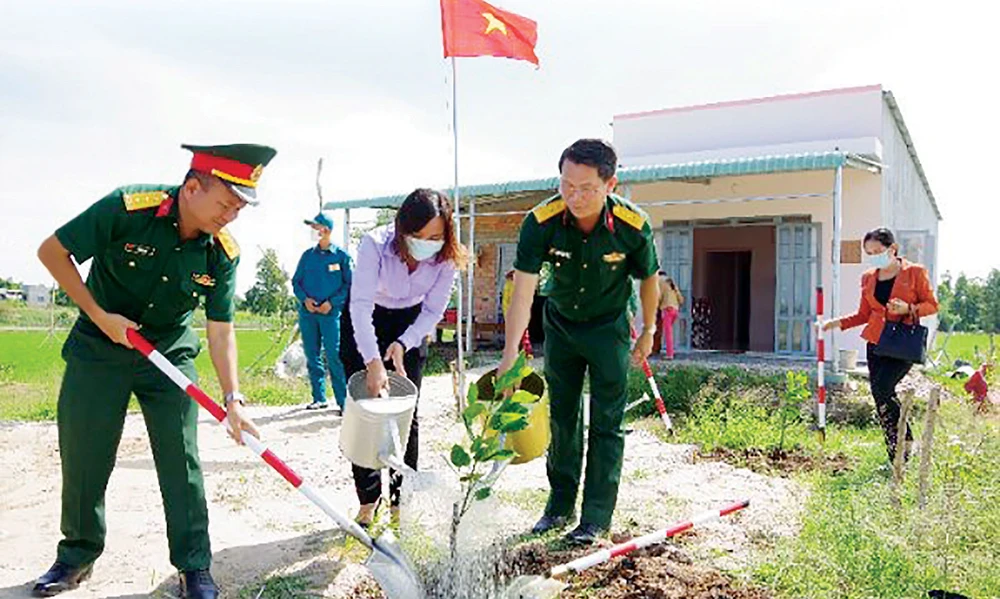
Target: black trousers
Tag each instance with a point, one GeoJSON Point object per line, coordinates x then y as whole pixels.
{"type": "Point", "coordinates": [883, 375]}
{"type": "Point", "coordinates": [389, 325]}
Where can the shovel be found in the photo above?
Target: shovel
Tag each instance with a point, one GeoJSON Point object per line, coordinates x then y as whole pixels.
{"type": "Point", "coordinates": [387, 562]}
{"type": "Point", "coordinates": [546, 587]}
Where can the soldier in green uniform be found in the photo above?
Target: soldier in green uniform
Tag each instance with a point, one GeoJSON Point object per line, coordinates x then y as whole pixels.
{"type": "Point", "coordinates": [157, 251]}
{"type": "Point", "coordinates": [596, 242]}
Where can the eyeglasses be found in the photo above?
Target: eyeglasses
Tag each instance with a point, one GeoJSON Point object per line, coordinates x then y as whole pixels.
{"type": "Point", "coordinates": [568, 190]}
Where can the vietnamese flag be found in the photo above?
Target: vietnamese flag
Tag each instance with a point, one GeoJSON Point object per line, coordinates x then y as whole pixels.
{"type": "Point", "coordinates": [475, 28]}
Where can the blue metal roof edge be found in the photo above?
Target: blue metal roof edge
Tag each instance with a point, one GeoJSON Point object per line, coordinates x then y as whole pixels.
{"type": "Point", "coordinates": [760, 165]}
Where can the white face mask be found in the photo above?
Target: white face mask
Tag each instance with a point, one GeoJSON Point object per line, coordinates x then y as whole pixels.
{"type": "Point", "coordinates": [423, 249]}
{"type": "Point", "coordinates": [314, 235]}
{"type": "Point", "coordinates": [879, 260]}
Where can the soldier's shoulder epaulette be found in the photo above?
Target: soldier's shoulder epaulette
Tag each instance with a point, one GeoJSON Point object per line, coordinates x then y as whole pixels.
{"type": "Point", "coordinates": [142, 198]}
{"type": "Point", "coordinates": [629, 214]}
{"type": "Point", "coordinates": [228, 243]}
{"type": "Point", "coordinates": [549, 208]}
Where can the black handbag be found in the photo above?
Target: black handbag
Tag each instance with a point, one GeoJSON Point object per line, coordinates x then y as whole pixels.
{"type": "Point", "coordinates": [906, 342]}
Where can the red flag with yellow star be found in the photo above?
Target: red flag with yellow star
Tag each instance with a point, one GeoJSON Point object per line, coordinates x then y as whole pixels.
{"type": "Point", "coordinates": [475, 28]}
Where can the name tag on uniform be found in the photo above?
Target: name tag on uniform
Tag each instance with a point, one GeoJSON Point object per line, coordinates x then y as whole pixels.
{"type": "Point", "coordinates": [139, 249]}
{"type": "Point", "coordinates": [205, 280]}
{"type": "Point", "coordinates": [333, 267]}
{"type": "Point", "coordinates": [613, 257]}
{"type": "Point", "coordinates": [560, 253]}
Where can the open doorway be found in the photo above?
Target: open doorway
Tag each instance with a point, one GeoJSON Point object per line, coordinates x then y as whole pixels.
{"type": "Point", "coordinates": [733, 287]}
{"type": "Point", "coordinates": [728, 289]}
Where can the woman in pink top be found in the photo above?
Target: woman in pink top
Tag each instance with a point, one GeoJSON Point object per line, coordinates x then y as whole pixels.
{"type": "Point", "coordinates": [671, 301]}
{"type": "Point", "coordinates": [400, 290]}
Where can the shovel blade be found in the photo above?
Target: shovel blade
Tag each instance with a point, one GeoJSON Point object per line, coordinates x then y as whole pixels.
{"type": "Point", "coordinates": [392, 570]}
{"type": "Point", "coordinates": [534, 587]}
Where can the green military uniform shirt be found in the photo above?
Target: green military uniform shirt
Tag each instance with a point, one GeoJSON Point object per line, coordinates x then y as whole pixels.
{"type": "Point", "coordinates": [590, 273]}
{"type": "Point", "coordinates": [142, 269]}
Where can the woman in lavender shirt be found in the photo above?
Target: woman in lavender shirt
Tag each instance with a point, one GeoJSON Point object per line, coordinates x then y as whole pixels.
{"type": "Point", "coordinates": [401, 287]}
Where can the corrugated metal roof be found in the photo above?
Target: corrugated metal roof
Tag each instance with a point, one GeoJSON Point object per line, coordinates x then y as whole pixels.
{"type": "Point", "coordinates": [639, 174]}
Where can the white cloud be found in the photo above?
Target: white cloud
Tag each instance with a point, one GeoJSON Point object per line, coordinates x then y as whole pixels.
{"type": "Point", "coordinates": [100, 94]}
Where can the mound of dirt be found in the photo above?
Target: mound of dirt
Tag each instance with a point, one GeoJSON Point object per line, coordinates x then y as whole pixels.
{"type": "Point", "coordinates": [660, 572]}
{"type": "Point", "coordinates": [780, 462]}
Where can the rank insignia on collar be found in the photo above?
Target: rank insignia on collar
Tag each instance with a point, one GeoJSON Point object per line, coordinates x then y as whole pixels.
{"type": "Point", "coordinates": [204, 280]}
{"type": "Point", "coordinates": [139, 249]}
{"type": "Point", "coordinates": [613, 257]}
{"type": "Point", "coordinates": [560, 253]}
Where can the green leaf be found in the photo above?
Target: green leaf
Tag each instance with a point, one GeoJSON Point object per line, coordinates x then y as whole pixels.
{"type": "Point", "coordinates": [459, 457]}
{"type": "Point", "coordinates": [477, 445]}
{"type": "Point", "coordinates": [509, 406]}
{"type": "Point", "coordinates": [508, 422]}
{"type": "Point", "coordinates": [473, 395]}
{"type": "Point", "coordinates": [473, 411]}
{"type": "Point", "coordinates": [509, 379]}
{"type": "Point", "coordinates": [521, 396]}
{"type": "Point", "coordinates": [471, 478]}
{"type": "Point", "coordinates": [514, 425]}
{"type": "Point", "coordinates": [486, 448]}
{"type": "Point", "coordinates": [483, 493]}
{"type": "Point", "coordinates": [504, 454]}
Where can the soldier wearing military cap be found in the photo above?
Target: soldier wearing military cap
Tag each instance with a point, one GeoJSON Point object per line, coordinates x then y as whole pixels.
{"type": "Point", "coordinates": [157, 252]}
{"type": "Point", "coordinates": [596, 242]}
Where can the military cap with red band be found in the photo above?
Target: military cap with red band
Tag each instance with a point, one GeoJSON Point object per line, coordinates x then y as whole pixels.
{"type": "Point", "coordinates": [238, 165]}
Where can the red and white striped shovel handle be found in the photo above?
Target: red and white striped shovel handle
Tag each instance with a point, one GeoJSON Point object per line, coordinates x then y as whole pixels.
{"type": "Point", "coordinates": [660, 406]}
{"type": "Point", "coordinates": [599, 557]}
{"type": "Point", "coordinates": [217, 412]}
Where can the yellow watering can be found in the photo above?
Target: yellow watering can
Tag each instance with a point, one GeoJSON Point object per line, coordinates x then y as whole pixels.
{"type": "Point", "coordinates": [532, 441]}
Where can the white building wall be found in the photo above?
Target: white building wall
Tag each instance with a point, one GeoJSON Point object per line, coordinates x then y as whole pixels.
{"type": "Point", "coordinates": [906, 205]}
{"type": "Point", "coordinates": [36, 295]}
{"type": "Point", "coordinates": [845, 119]}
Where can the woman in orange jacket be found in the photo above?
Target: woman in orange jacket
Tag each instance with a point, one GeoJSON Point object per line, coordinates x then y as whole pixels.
{"type": "Point", "coordinates": [894, 290]}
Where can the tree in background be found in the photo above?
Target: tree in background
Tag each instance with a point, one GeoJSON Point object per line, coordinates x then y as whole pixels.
{"type": "Point", "coordinates": [946, 297]}
{"type": "Point", "coordinates": [61, 299]}
{"type": "Point", "coordinates": [989, 307]}
{"type": "Point", "coordinates": [970, 304]}
{"type": "Point", "coordinates": [269, 294]}
{"type": "Point", "coordinates": [966, 303]}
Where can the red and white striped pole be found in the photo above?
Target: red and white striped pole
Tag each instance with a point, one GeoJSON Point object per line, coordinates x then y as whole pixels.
{"type": "Point", "coordinates": [660, 406]}
{"type": "Point", "coordinates": [604, 555]}
{"type": "Point", "coordinates": [182, 381]}
{"type": "Point", "coordinates": [820, 365]}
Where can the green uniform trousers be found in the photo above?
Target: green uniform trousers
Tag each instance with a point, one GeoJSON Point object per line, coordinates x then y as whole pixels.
{"type": "Point", "coordinates": [600, 346]}
{"type": "Point", "coordinates": [99, 380]}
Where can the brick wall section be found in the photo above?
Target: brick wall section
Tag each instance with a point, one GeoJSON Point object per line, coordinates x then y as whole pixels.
{"type": "Point", "coordinates": [491, 230]}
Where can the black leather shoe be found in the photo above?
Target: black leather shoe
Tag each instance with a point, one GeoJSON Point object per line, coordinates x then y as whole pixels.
{"type": "Point", "coordinates": [59, 578]}
{"type": "Point", "coordinates": [585, 534]}
{"type": "Point", "coordinates": [547, 523]}
{"type": "Point", "coordinates": [198, 584]}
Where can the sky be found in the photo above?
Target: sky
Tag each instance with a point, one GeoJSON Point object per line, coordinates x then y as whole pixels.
{"type": "Point", "coordinates": [98, 94]}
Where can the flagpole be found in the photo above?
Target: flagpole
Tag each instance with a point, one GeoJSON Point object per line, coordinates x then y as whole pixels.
{"type": "Point", "coordinates": [458, 232]}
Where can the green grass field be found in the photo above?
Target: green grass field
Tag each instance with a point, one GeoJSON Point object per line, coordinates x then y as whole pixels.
{"type": "Point", "coordinates": [852, 544]}
{"type": "Point", "coordinates": [31, 368]}
{"type": "Point", "coordinates": [964, 346]}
